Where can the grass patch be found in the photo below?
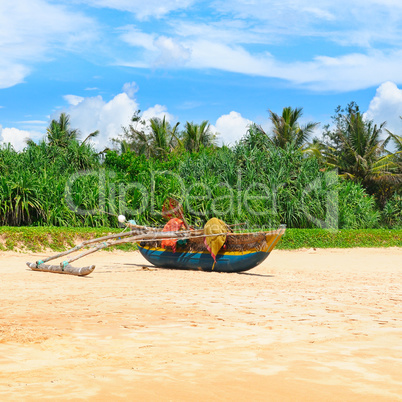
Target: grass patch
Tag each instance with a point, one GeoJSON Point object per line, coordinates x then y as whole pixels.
{"type": "Point", "coordinates": [37, 239]}
{"type": "Point", "coordinates": [346, 238]}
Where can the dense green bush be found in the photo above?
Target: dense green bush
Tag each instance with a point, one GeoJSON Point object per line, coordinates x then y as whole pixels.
{"type": "Point", "coordinates": [263, 186]}
{"type": "Point", "coordinates": [357, 209]}
{"type": "Point", "coordinates": [392, 212]}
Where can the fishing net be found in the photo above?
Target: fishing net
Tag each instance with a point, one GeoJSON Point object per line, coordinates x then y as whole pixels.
{"type": "Point", "coordinates": [234, 242]}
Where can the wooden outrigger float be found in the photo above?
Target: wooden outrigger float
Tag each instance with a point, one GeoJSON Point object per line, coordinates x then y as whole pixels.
{"type": "Point", "coordinates": [62, 269]}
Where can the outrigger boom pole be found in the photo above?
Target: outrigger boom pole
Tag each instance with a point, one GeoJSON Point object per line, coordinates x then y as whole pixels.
{"type": "Point", "coordinates": [139, 235]}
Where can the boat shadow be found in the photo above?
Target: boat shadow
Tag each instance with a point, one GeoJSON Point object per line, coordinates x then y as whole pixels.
{"type": "Point", "coordinates": [254, 274]}
{"type": "Point", "coordinates": [178, 269]}
{"type": "Point", "coordinates": [140, 265]}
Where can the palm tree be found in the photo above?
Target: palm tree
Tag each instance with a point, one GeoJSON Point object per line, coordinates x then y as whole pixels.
{"type": "Point", "coordinates": [397, 141]}
{"type": "Point", "coordinates": [287, 130]}
{"type": "Point", "coordinates": [355, 148]}
{"type": "Point", "coordinates": [163, 138]}
{"type": "Point", "coordinates": [89, 136]}
{"type": "Point", "coordinates": [255, 137]}
{"type": "Point", "coordinates": [196, 136]}
{"type": "Point", "coordinates": [59, 132]}
{"type": "Point", "coordinates": [157, 139]}
{"type": "Point", "coordinates": [134, 139]}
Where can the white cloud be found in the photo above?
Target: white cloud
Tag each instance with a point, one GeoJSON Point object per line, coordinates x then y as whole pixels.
{"type": "Point", "coordinates": [12, 73]}
{"type": "Point", "coordinates": [30, 29]}
{"type": "Point", "coordinates": [318, 18]}
{"type": "Point", "coordinates": [88, 115]}
{"type": "Point", "coordinates": [343, 73]}
{"type": "Point", "coordinates": [225, 32]}
{"type": "Point", "coordinates": [17, 138]}
{"type": "Point", "coordinates": [387, 106]}
{"type": "Point", "coordinates": [207, 54]}
{"type": "Point", "coordinates": [160, 51]}
{"type": "Point", "coordinates": [94, 113]}
{"type": "Point", "coordinates": [73, 99]}
{"type": "Point", "coordinates": [231, 36]}
{"type": "Point", "coordinates": [362, 23]}
{"type": "Point", "coordinates": [136, 38]}
{"type": "Point", "coordinates": [231, 127]}
{"type": "Point", "coordinates": [226, 41]}
{"type": "Point", "coordinates": [158, 111]}
{"type": "Point", "coordinates": [141, 9]}
{"type": "Point", "coordinates": [346, 72]}
{"type": "Point", "coordinates": [130, 88]}
{"type": "Point", "coordinates": [171, 52]}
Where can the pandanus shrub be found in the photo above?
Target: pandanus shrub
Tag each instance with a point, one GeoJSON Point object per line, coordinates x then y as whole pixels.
{"type": "Point", "coordinates": [392, 212]}
{"type": "Point", "coordinates": [357, 209]}
{"type": "Point", "coordinates": [253, 181]}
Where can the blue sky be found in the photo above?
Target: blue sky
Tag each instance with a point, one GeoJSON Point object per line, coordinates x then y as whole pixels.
{"type": "Point", "coordinates": [226, 62]}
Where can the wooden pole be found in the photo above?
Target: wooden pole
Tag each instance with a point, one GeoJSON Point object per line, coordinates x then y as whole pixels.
{"type": "Point", "coordinates": [150, 237]}
{"type": "Point", "coordinates": [128, 238]}
{"type": "Point", "coordinates": [88, 242]}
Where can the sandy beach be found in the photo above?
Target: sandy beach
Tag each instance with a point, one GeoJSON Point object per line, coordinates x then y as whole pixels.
{"type": "Point", "coordinates": [306, 325]}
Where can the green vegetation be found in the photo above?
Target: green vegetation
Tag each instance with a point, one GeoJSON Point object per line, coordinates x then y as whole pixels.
{"type": "Point", "coordinates": [52, 239]}
{"type": "Point", "coordinates": [265, 179]}
{"type": "Point", "coordinates": [39, 239]}
{"type": "Point", "coordinates": [355, 148]}
{"type": "Point", "coordinates": [319, 238]}
{"type": "Point", "coordinates": [286, 129]}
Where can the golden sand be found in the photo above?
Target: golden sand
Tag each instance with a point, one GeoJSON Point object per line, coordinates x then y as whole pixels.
{"type": "Point", "coordinates": [304, 326]}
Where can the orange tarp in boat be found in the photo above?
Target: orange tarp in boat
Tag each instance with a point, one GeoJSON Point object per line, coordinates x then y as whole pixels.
{"type": "Point", "coordinates": [174, 225]}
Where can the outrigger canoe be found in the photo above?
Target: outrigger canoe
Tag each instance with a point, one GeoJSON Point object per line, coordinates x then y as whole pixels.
{"type": "Point", "coordinates": [241, 252]}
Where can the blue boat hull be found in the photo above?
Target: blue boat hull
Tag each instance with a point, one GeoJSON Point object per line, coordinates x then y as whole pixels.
{"type": "Point", "coordinates": [242, 251]}
{"type": "Point", "coordinates": [225, 261]}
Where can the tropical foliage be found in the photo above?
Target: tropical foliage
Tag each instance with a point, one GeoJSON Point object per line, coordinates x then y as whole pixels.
{"type": "Point", "coordinates": [156, 140]}
{"type": "Point", "coordinates": [40, 239]}
{"type": "Point", "coordinates": [59, 133]}
{"type": "Point", "coordinates": [286, 129]}
{"type": "Point", "coordinates": [396, 140]}
{"type": "Point", "coordinates": [264, 179]}
{"type": "Point", "coordinates": [197, 136]}
{"type": "Point", "coordinates": [354, 146]}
